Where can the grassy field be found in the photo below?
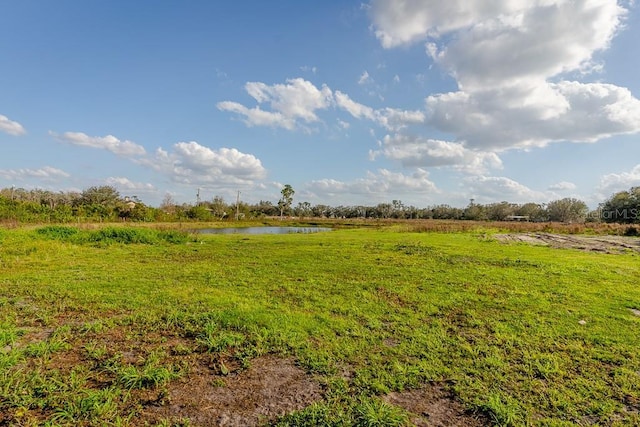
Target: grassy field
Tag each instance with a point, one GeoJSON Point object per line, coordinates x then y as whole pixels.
{"type": "Point", "coordinates": [104, 326]}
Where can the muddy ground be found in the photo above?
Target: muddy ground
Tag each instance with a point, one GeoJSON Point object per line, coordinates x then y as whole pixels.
{"type": "Point", "coordinates": [273, 387]}
{"type": "Point", "coordinates": [604, 244]}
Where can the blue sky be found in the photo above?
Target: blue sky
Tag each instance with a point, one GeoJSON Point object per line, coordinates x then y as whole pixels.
{"type": "Point", "coordinates": [351, 103]}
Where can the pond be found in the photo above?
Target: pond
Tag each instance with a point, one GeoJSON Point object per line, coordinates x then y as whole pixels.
{"type": "Point", "coordinates": [263, 230]}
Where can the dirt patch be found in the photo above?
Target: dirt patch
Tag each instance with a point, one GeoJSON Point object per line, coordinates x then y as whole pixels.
{"type": "Point", "coordinates": [433, 406]}
{"type": "Point", "coordinates": [605, 244]}
{"type": "Point", "coordinates": [271, 387]}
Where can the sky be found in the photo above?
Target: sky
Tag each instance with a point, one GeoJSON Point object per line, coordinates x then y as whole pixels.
{"type": "Point", "coordinates": [349, 102]}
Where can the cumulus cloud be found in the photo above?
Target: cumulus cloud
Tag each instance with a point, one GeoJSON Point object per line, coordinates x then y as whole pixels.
{"type": "Point", "coordinates": [425, 152]}
{"type": "Point", "coordinates": [615, 182]}
{"type": "Point", "coordinates": [11, 127]}
{"type": "Point", "coordinates": [192, 163]}
{"type": "Point", "coordinates": [123, 183]}
{"type": "Point", "coordinates": [562, 186]}
{"type": "Point", "coordinates": [510, 58]}
{"type": "Point", "coordinates": [383, 184]}
{"type": "Point", "coordinates": [357, 110]}
{"type": "Point", "coordinates": [389, 118]}
{"type": "Point", "coordinates": [290, 104]}
{"type": "Point", "coordinates": [110, 143]}
{"type": "Point", "coordinates": [47, 173]}
{"type": "Point", "coordinates": [487, 189]}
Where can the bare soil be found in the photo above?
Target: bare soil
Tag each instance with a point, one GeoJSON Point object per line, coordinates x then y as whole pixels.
{"type": "Point", "coordinates": [269, 388]}
{"type": "Point", "coordinates": [432, 406]}
{"type": "Point", "coordinates": [605, 244]}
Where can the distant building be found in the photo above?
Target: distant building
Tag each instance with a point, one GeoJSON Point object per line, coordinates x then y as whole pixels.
{"type": "Point", "coordinates": [129, 203]}
{"type": "Point", "coordinates": [523, 218]}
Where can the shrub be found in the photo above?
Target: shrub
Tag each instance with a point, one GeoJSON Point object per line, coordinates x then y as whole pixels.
{"type": "Point", "coordinates": [58, 232]}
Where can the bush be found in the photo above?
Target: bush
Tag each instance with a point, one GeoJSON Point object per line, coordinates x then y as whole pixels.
{"type": "Point", "coordinates": [123, 235]}
{"type": "Point", "coordinates": [136, 235]}
{"type": "Point", "coordinates": [58, 232]}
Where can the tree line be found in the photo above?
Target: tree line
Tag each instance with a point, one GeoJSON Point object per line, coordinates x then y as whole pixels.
{"type": "Point", "coordinates": [106, 204]}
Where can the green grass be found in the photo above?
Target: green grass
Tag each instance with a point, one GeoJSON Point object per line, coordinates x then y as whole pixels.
{"type": "Point", "coordinates": [521, 334]}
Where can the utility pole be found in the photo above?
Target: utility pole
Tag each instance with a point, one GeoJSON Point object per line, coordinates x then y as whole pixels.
{"type": "Point", "coordinates": [238, 206]}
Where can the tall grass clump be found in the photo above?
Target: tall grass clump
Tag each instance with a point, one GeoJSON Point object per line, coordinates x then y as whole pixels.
{"type": "Point", "coordinates": [111, 235]}
{"type": "Point", "coordinates": [123, 235]}
{"type": "Point", "coordinates": [58, 232]}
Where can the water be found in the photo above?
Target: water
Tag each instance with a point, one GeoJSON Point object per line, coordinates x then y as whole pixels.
{"type": "Point", "coordinates": [263, 230]}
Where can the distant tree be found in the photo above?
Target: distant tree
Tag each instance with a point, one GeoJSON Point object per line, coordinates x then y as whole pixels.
{"type": "Point", "coordinates": [105, 195]}
{"type": "Point", "coordinates": [383, 210]}
{"type": "Point", "coordinates": [475, 212]}
{"type": "Point", "coordinates": [219, 208]}
{"type": "Point", "coordinates": [321, 211]}
{"type": "Point", "coordinates": [263, 207]}
{"type": "Point", "coordinates": [500, 211]}
{"type": "Point", "coordinates": [286, 200]}
{"type": "Point", "coordinates": [199, 212]}
{"type": "Point", "coordinates": [534, 211]}
{"type": "Point", "coordinates": [98, 202]}
{"type": "Point", "coordinates": [168, 205]}
{"type": "Point", "coordinates": [567, 210]}
{"type": "Point", "coordinates": [446, 212]}
{"type": "Point", "coordinates": [622, 207]}
{"type": "Point", "coordinates": [303, 209]}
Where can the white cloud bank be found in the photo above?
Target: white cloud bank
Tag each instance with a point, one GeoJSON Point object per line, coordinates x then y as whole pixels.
{"type": "Point", "coordinates": [291, 104]}
{"type": "Point", "coordinates": [109, 143]}
{"type": "Point", "coordinates": [11, 127]}
{"type": "Point", "coordinates": [615, 182]}
{"type": "Point", "coordinates": [378, 185]}
{"type": "Point", "coordinates": [424, 152]}
{"type": "Point", "coordinates": [122, 183]}
{"type": "Point", "coordinates": [508, 58]}
{"type": "Point", "coordinates": [488, 189]}
{"type": "Point", "coordinates": [187, 163]}
{"type": "Point", "coordinates": [195, 164]}
{"type": "Point", "coordinates": [46, 173]}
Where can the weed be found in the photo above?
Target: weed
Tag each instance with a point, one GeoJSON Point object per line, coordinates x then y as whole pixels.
{"type": "Point", "coordinates": [151, 374]}
{"type": "Point", "coordinates": [58, 232]}
{"type": "Point", "coordinates": [373, 412]}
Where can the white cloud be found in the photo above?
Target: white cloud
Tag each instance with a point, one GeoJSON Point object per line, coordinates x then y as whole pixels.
{"type": "Point", "coordinates": [257, 117]}
{"type": "Point", "coordinates": [291, 103]}
{"type": "Point", "coordinates": [396, 79]}
{"type": "Point", "coordinates": [417, 151]}
{"type": "Point", "coordinates": [11, 127]}
{"type": "Point", "coordinates": [343, 124]}
{"type": "Point", "coordinates": [389, 118]}
{"type": "Point", "coordinates": [535, 42]}
{"type": "Point", "coordinates": [395, 119]}
{"type": "Point", "coordinates": [488, 189]}
{"type": "Point", "coordinates": [583, 112]}
{"type": "Point", "coordinates": [364, 78]}
{"type": "Point", "coordinates": [123, 183]}
{"type": "Point", "coordinates": [110, 143]}
{"type": "Point", "coordinates": [615, 182]}
{"type": "Point", "coordinates": [382, 185]}
{"type": "Point", "coordinates": [357, 110]}
{"type": "Point", "coordinates": [509, 58]}
{"type": "Point", "coordinates": [192, 163]}
{"type": "Point", "coordinates": [47, 173]}
{"type": "Point", "coordinates": [562, 186]}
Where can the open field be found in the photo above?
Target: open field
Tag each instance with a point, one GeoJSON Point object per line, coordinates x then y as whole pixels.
{"type": "Point", "coordinates": [384, 325]}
